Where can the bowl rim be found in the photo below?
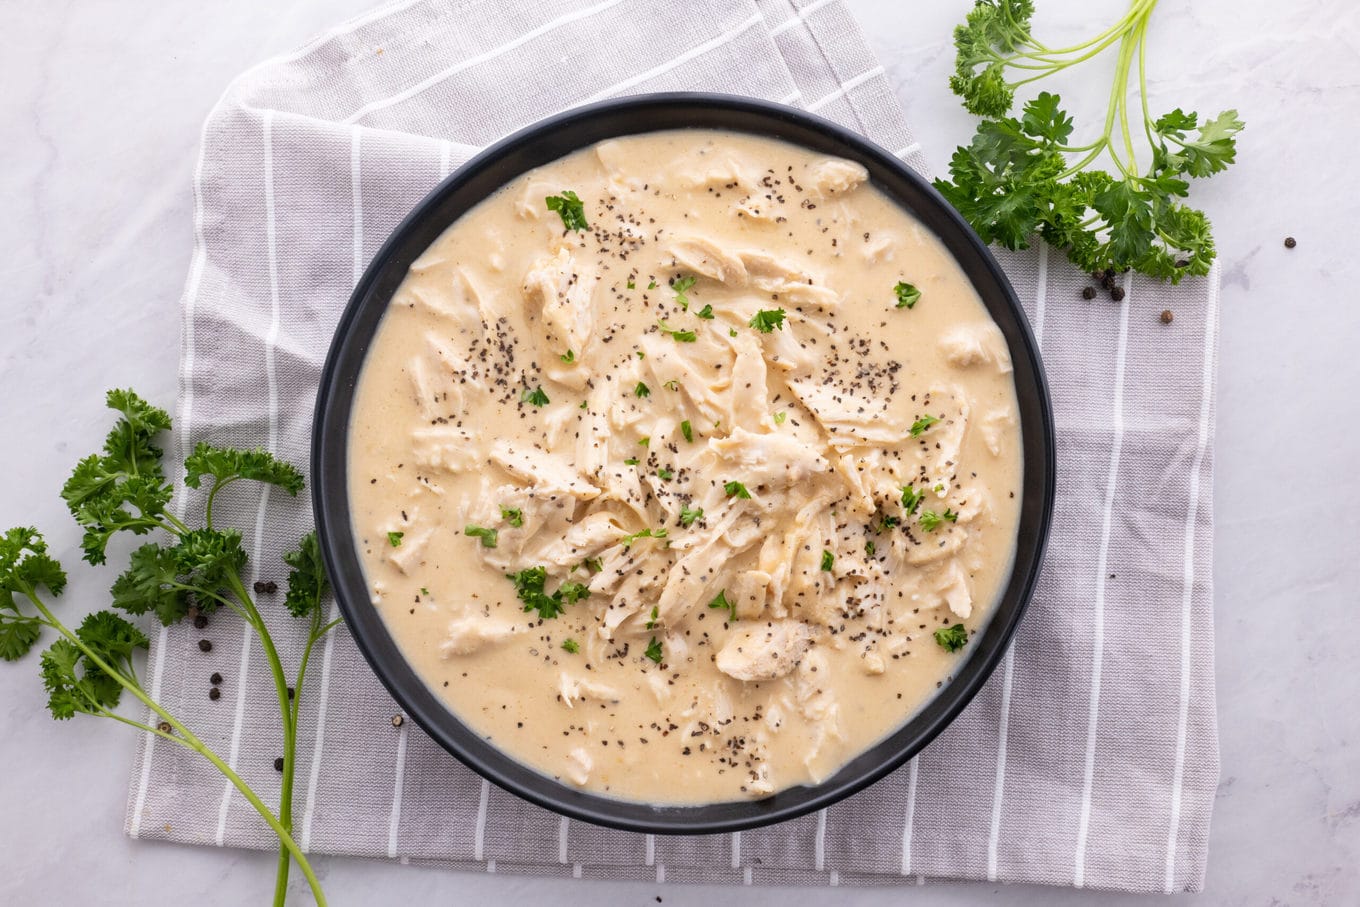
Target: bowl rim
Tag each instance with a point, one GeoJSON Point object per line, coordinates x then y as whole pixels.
{"type": "Point", "coordinates": [345, 356]}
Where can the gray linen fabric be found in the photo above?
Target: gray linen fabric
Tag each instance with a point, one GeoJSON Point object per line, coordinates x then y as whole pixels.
{"type": "Point", "coordinates": [1090, 758]}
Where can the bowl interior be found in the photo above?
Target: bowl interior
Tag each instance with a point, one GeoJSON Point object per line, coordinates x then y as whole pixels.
{"type": "Point", "coordinates": [538, 145]}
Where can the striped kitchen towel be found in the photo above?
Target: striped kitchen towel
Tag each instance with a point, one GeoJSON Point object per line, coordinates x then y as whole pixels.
{"type": "Point", "coordinates": [1090, 759]}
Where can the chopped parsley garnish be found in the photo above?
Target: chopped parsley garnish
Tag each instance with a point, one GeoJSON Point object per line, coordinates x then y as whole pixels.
{"type": "Point", "coordinates": [512, 515]}
{"type": "Point", "coordinates": [651, 285]}
{"type": "Point", "coordinates": [688, 515]}
{"type": "Point", "coordinates": [631, 285]}
{"type": "Point", "coordinates": [642, 390]}
{"type": "Point", "coordinates": [571, 646]}
{"type": "Point", "coordinates": [722, 602]}
{"type": "Point", "coordinates": [678, 336]}
{"type": "Point", "coordinates": [736, 490]}
{"type": "Point", "coordinates": [949, 515]}
{"type": "Point", "coordinates": [672, 385]}
{"type": "Point", "coordinates": [682, 285]}
{"type": "Point", "coordinates": [535, 396]}
{"type": "Point", "coordinates": [424, 591]}
{"type": "Point", "coordinates": [953, 638]}
{"type": "Point", "coordinates": [779, 417]}
{"type": "Point", "coordinates": [911, 499]}
{"type": "Point", "coordinates": [529, 586]}
{"type": "Point", "coordinates": [828, 560]}
{"type": "Point", "coordinates": [571, 209]}
{"type": "Point", "coordinates": [568, 356]}
{"type": "Point", "coordinates": [628, 540]}
{"type": "Point", "coordinates": [641, 354]}
{"type": "Point", "coordinates": [665, 474]}
{"type": "Point", "coordinates": [731, 332]}
{"type": "Point", "coordinates": [907, 295]}
{"type": "Point", "coordinates": [920, 425]}
{"type": "Point", "coordinates": [887, 522]}
{"type": "Point", "coordinates": [585, 404]}
{"type": "Point", "coordinates": [766, 320]}
{"type": "Point", "coordinates": [870, 548]}
{"type": "Point", "coordinates": [488, 536]}
{"type": "Point", "coordinates": [654, 650]}
{"type": "Point", "coordinates": [705, 313]}
{"type": "Point", "coordinates": [930, 520]}
{"type": "Point", "coordinates": [394, 539]}
{"type": "Point", "coordinates": [644, 440]}
{"type": "Point", "coordinates": [687, 430]}
{"type": "Point", "coordinates": [593, 564]}
{"type": "Point", "coordinates": [652, 621]}
{"type": "Point", "coordinates": [631, 461]}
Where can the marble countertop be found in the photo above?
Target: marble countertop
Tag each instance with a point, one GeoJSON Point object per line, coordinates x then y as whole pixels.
{"type": "Point", "coordinates": [100, 118]}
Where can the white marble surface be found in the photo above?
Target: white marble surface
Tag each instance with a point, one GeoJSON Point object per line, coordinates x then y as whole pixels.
{"type": "Point", "coordinates": [100, 114]}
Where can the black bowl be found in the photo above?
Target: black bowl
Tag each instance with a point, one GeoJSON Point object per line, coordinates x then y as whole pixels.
{"type": "Point", "coordinates": [474, 181]}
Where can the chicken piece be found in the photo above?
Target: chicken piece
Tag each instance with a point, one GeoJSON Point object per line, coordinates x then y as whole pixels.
{"type": "Point", "coordinates": [573, 689]}
{"type": "Point", "coordinates": [563, 289]}
{"type": "Point", "coordinates": [444, 448]}
{"type": "Point", "coordinates": [406, 556]}
{"type": "Point", "coordinates": [578, 766]}
{"type": "Point", "coordinates": [436, 392]}
{"type": "Point", "coordinates": [834, 176]}
{"type": "Point", "coordinates": [546, 472]}
{"type": "Point", "coordinates": [716, 172]}
{"type": "Point", "coordinates": [668, 362]}
{"type": "Point", "coordinates": [748, 396]}
{"type": "Point", "coordinates": [789, 281]}
{"type": "Point", "coordinates": [934, 546]}
{"type": "Point", "coordinates": [471, 632]}
{"type": "Point", "coordinates": [850, 419]}
{"type": "Point", "coordinates": [706, 258]}
{"type": "Point", "coordinates": [764, 652]}
{"type": "Point", "coordinates": [583, 540]}
{"type": "Point", "coordinates": [880, 247]}
{"type": "Point", "coordinates": [533, 201]}
{"type": "Point", "coordinates": [748, 593]}
{"type": "Point", "coordinates": [775, 460]}
{"type": "Point", "coordinates": [996, 428]}
{"type": "Point", "coordinates": [952, 587]}
{"type": "Point", "coordinates": [967, 345]}
{"type": "Point", "coordinates": [618, 164]}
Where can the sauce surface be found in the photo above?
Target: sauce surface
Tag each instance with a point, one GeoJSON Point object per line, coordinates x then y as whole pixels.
{"type": "Point", "coordinates": [701, 499]}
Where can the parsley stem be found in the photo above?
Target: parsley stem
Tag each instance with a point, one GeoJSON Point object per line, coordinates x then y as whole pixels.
{"type": "Point", "coordinates": [187, 739]}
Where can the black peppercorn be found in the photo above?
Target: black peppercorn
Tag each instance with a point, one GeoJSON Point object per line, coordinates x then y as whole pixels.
{"type": "Point", "coordinates": [215, 679]}
{"type": "Point", "coordinates": [290, 692]}
{"type": "Point", "coordinates": [200, 622]}
{"type": "Point", "coordinates": [278, 764]}
{"type": "Point", "coordinates": [1167, 316]}
{"type": "Point", "coordinates": [1117, 294]}
{"type": "Point", "coordinates": [1290, 242]}
{"type": "Point", "coordinates": [204, 645]}
{"type": "Point", "coordinates": [214, 694]}
{"type": "Point", "coordinates": [1088, 293]}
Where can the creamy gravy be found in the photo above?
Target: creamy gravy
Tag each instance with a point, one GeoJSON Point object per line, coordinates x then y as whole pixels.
{"type": "Point", "coordinates": [707, 417]}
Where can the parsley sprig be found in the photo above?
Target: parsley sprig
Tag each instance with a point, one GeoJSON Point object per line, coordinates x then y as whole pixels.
{"type": "Point", "coordinates": [1026, 175]}
{"type": "Point", "coordinates": [570, 208]}
{"type": "Point", "coordinates": [187, 570]}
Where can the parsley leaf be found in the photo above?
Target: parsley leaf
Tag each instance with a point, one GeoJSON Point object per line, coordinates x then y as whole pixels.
{"type": "Point", "coordinates": [394, 539]}
{"type": "Point", "coordinates": [930, 520]}
{"type": "Point", "coordinates": [682, 285]}
{"type": "Point", "coordinates": [721, 601]}
{"type": "Point", "coordinates": [652, 621]}
{"type": "Point", "coordinates": [736, 490]}
{"type": "Point", "coordinates": [949, 515]}
{"type": "Point", "coordinates": [569, 356]}
{"type": "Point", "coordinates": [227, 464]}
{"type": "Point", "coordinates": [654, 650]}
{"type": "Point", "coordinates": [678, 336]}
{"type": "Point", "coordinates": [512, 515]}
{"type": "Point", "coordinates": [705, 313]}
{"type": "Point", "coordinates": [25, 566]}
{"type": "Point", "coordinates": [779, 417]}
{"type": "Point", "coordinates": [308, 583]}
{"type": "Point", "coordinates": [571, 209]}
{"type": "Point", "coordinates": [488, 536]}
{"type": "Point", "coordinates": [665, 473]}
{"type": "Point", "coordinates": [535, 396]}
{"type": "Point", "coordinates": [952, 638]}
{"type": "Point", "coordinates": [688, 515]}
{"type": "Point", "coordinates": [628, 540]}
{"type": "Point", "coordinates": [907, 295]}
{"type": "Point", "coordinates": [530, 587]}
{"type": "Point", "coordinates": [766, 320]}
{"type": "Point", "coordinates": [919, 427]}
{"type": "Point", "coordinates": [828, 560]}
{"type": "Point", "coordinates": [911, 499]}
{"type": "Point", "coordinates": [642, 390]}
{"type": "Point", "coordinates": [571, 646]}
{"type": "Point", "coordinates": [687, 431]}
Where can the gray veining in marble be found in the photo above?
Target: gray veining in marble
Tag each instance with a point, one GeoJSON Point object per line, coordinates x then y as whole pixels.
{"type": "Point", "coordinates": [100, 114]}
